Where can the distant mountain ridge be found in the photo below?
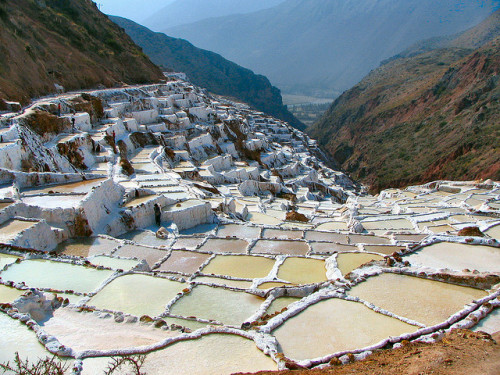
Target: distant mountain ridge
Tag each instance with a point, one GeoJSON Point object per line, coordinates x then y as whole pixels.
{"type": "Point", "coordinates": [318, 47]}
{"type": "Point", "coordinates": [65, 42]}
{"type": "Point", "coordinates": [432, 115]}
{"type": "Point", "coordinates": [182, 12]}
{"type": "Point", "coordinates": [210, 70]}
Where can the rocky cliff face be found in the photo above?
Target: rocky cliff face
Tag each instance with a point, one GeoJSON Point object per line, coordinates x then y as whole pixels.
{"type": "Point", "coordinates": [415, 119]}
{"type": "Point", "coordinates": [68, 43]}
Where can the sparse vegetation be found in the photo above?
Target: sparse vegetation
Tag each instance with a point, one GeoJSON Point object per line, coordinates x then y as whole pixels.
{"type": "Point", "coordinates": [45, 366]}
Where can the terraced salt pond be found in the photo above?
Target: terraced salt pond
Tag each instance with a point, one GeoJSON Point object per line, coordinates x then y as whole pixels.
{"type": "Point", "coordinates": [86, 246]}
{"type": "Point", "coordinates": [347, 262]}
{"type": "Point", "coordinates": [54, 201]}
{"type": "Point", "coordinates": [16, 337]}
{"type": "Point", "coordinates": [328, 326]}
{"type": "Point", "coordinates": [302, 270]}
{"type": "Point", "coordinates": [425, 301]}
{"type": "Point", "coordinates": [218, 304]}
{"type": "Point", "coordinates": [242, 266]}
{"type": "Point", "coordinates": [11, 228]}
{"type": "Point", "coordinates": [137, 294]}
{"type": "Point", "coordinates": [458, 257]}
{"type": "Point", "coordinates": [56, 275]}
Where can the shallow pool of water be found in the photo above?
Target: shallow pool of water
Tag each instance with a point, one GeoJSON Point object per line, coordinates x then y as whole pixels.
{"type": "Point", "coordinates": [7, 259]}
{"type": "Point", "coordinates": [56, 275]}
{"type": "Point", "coordinates": [370, 240]}
{"type": "Point", "coordinates": [302, 270]}
{"type": "Point", "coordinates": [280, 303]}
{"type": "Point", "coordinates": [457, 257]}
{"type": "Point", "coordinates": [183, 261]}
{"type": "Point", "coordinates": [54, 201]}
{"type": "Point", "coordinates": [241, 284]}
{"type": "Point", "coordinates": [330, 247]}
{"type": "Point", "coordinates": [335, 325]}
{"type": "Point", "coordinates": [347, 262]}
{"type": "Point", "coordinates": [11, 228]}
{"type": "Point", "coordinates": [282, 234]}
{"type": "Point", "coordinates": [426, 301]}
{"type": "Point", "coordinates": [100, 334]}
{"type": "Point", "coordinates": [114, 263]}
{"type": "Point", "coordinates": [73, 187]}
{"type": "Point", "coordinates": [145, 237]}
{"type": "Point", "coordinates": [326, 236]}
{"type": "Point", "coordinates": [394, 224]}
{"type": "Point", "coordinates": [280, 247]}
{"type": "Point", "coordinates": [242, 266]}
{"type": "Point", "coordinates": [239, 231]}
{"type": "Point", "coordinates": [86, 246]}
{"type": "Point", "coordinates": [189, 243]}
{"type": "Point", "coordinates": [137, 201]}
{"type": "Point", "coordinates": [16, 337]}
{"type": "Point", "coordinates": [215, 354]}
{"type": "Point", "coordinates": [137, 295]}
{"type": "Point", "coordinates": [222, 245]}
{"type": "Point", "coordinates": [494, 232]}
{"type": "Point", "coordinates": [260, 218]}
{"type": "Point", "coordinates": [8, 294]}
{"type": "Point", "coordinates": [226, 306]}
{"type": "Point", "coordinates": [151, 256]}
{"type": "Point", "coordinates": [332, 225]}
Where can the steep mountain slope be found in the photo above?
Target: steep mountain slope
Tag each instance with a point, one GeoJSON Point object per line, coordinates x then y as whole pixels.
{"type": "Point", "coordinates": [416, 119]}
{"type": "Point", "coordinates": [68, 42]}
{"type": "Point", "coordinates": [318, 47]}
{"type": "Point", "coordinates": [210, 70]}
{"type": "Point", "coordinates": [182, 12]}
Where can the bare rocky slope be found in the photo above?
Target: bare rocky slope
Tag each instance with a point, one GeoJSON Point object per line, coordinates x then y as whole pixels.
{"type": "Point", "coordinates": [415, 119]}
{"type": "Point", "coordinates": [70, 43]}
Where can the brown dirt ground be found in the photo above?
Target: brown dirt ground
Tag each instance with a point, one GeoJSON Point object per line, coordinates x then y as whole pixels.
{"type": "Point", "coordinates": [461, 352]}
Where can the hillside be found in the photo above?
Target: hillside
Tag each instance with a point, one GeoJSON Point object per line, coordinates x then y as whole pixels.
{"type": "Point", "coordinates": [321, 48]}
{"type": "Point", "coordinates": [66, 42]}
{"type": "Point", "coordinates": [210, 70]}
{"type": "Point", "coordinates": [196, 10]}
{"type": "Point", "coordinates": [416, 119]}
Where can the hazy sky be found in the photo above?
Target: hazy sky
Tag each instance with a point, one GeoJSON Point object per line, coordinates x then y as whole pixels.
{"type": "Point", "coordinates": [136, 10]}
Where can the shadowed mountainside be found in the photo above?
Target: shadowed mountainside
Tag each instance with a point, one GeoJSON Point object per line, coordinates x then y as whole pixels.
{"type": "Point", "coordinates": [68, 42]}
{"type": "Point", "coordinates": [319, 48]}
{"type": "Point", "coordinates": [210, 70]}
{"type": "Point", "coordinates": [435, 115]}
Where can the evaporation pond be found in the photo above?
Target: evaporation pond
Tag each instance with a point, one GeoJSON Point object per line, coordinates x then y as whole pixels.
{"type": "Point", "coordinates": [56, 275]}
{"type": "Point", "coordinates": [347, 262]}
{"type": "Point", "coordinates": [151, 256]}
{"type": "Point", "coordinates": [494, 232]}
{"type": "Point", "coordinates": [215, 354]}
{"type": "Point", "coordinates": [85, 247]}
{"type": "Point", "coordinates": [145, 237]}
{"type": "Point", "coordinates": [457, 256]}
{"type": "Point", "coordinates": [333, 225]}
{"type": "Point", "coordinates": [137, 295]}
{"type": "Point", "coordinates": [226, 306]}
{"type": "Point", "coordinates": [282, 234]}
{"type": "Point", "coordinates": [74, 187]}
{"type": "Point", "coordinates": [281, 247]}
{"type": "Point", "coordinates": [303, 270]}
{"type": "Point", "coordinates": [239, 231]}
{"type": "Point", "coordinates": [425, 301]}
{"type": "Point", "coordinates": [184, 261]}
{"type": "Point", "coordinates": [218, 245]}
{"type": "Point", "coordinates": [7, 259]}
{"type": "Point", "coordinates": [8, 294]}
{"type": "Point", "coordinates": [243, 266]}
{"type": "Point", "coordinates": [16, 337]}
{"type": "Point", "coordinates": [114, 263]}
{"type": "Point", "coordinates": [335, 325]}
{"type": "Point", "coordinates": [11, 228]}
{"type": "Point", "coordinates": [54, 201]}
{"type": "Point", "coordinates": [137, 201]}
{"type": "Point", "coordinates": [87, 331]}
